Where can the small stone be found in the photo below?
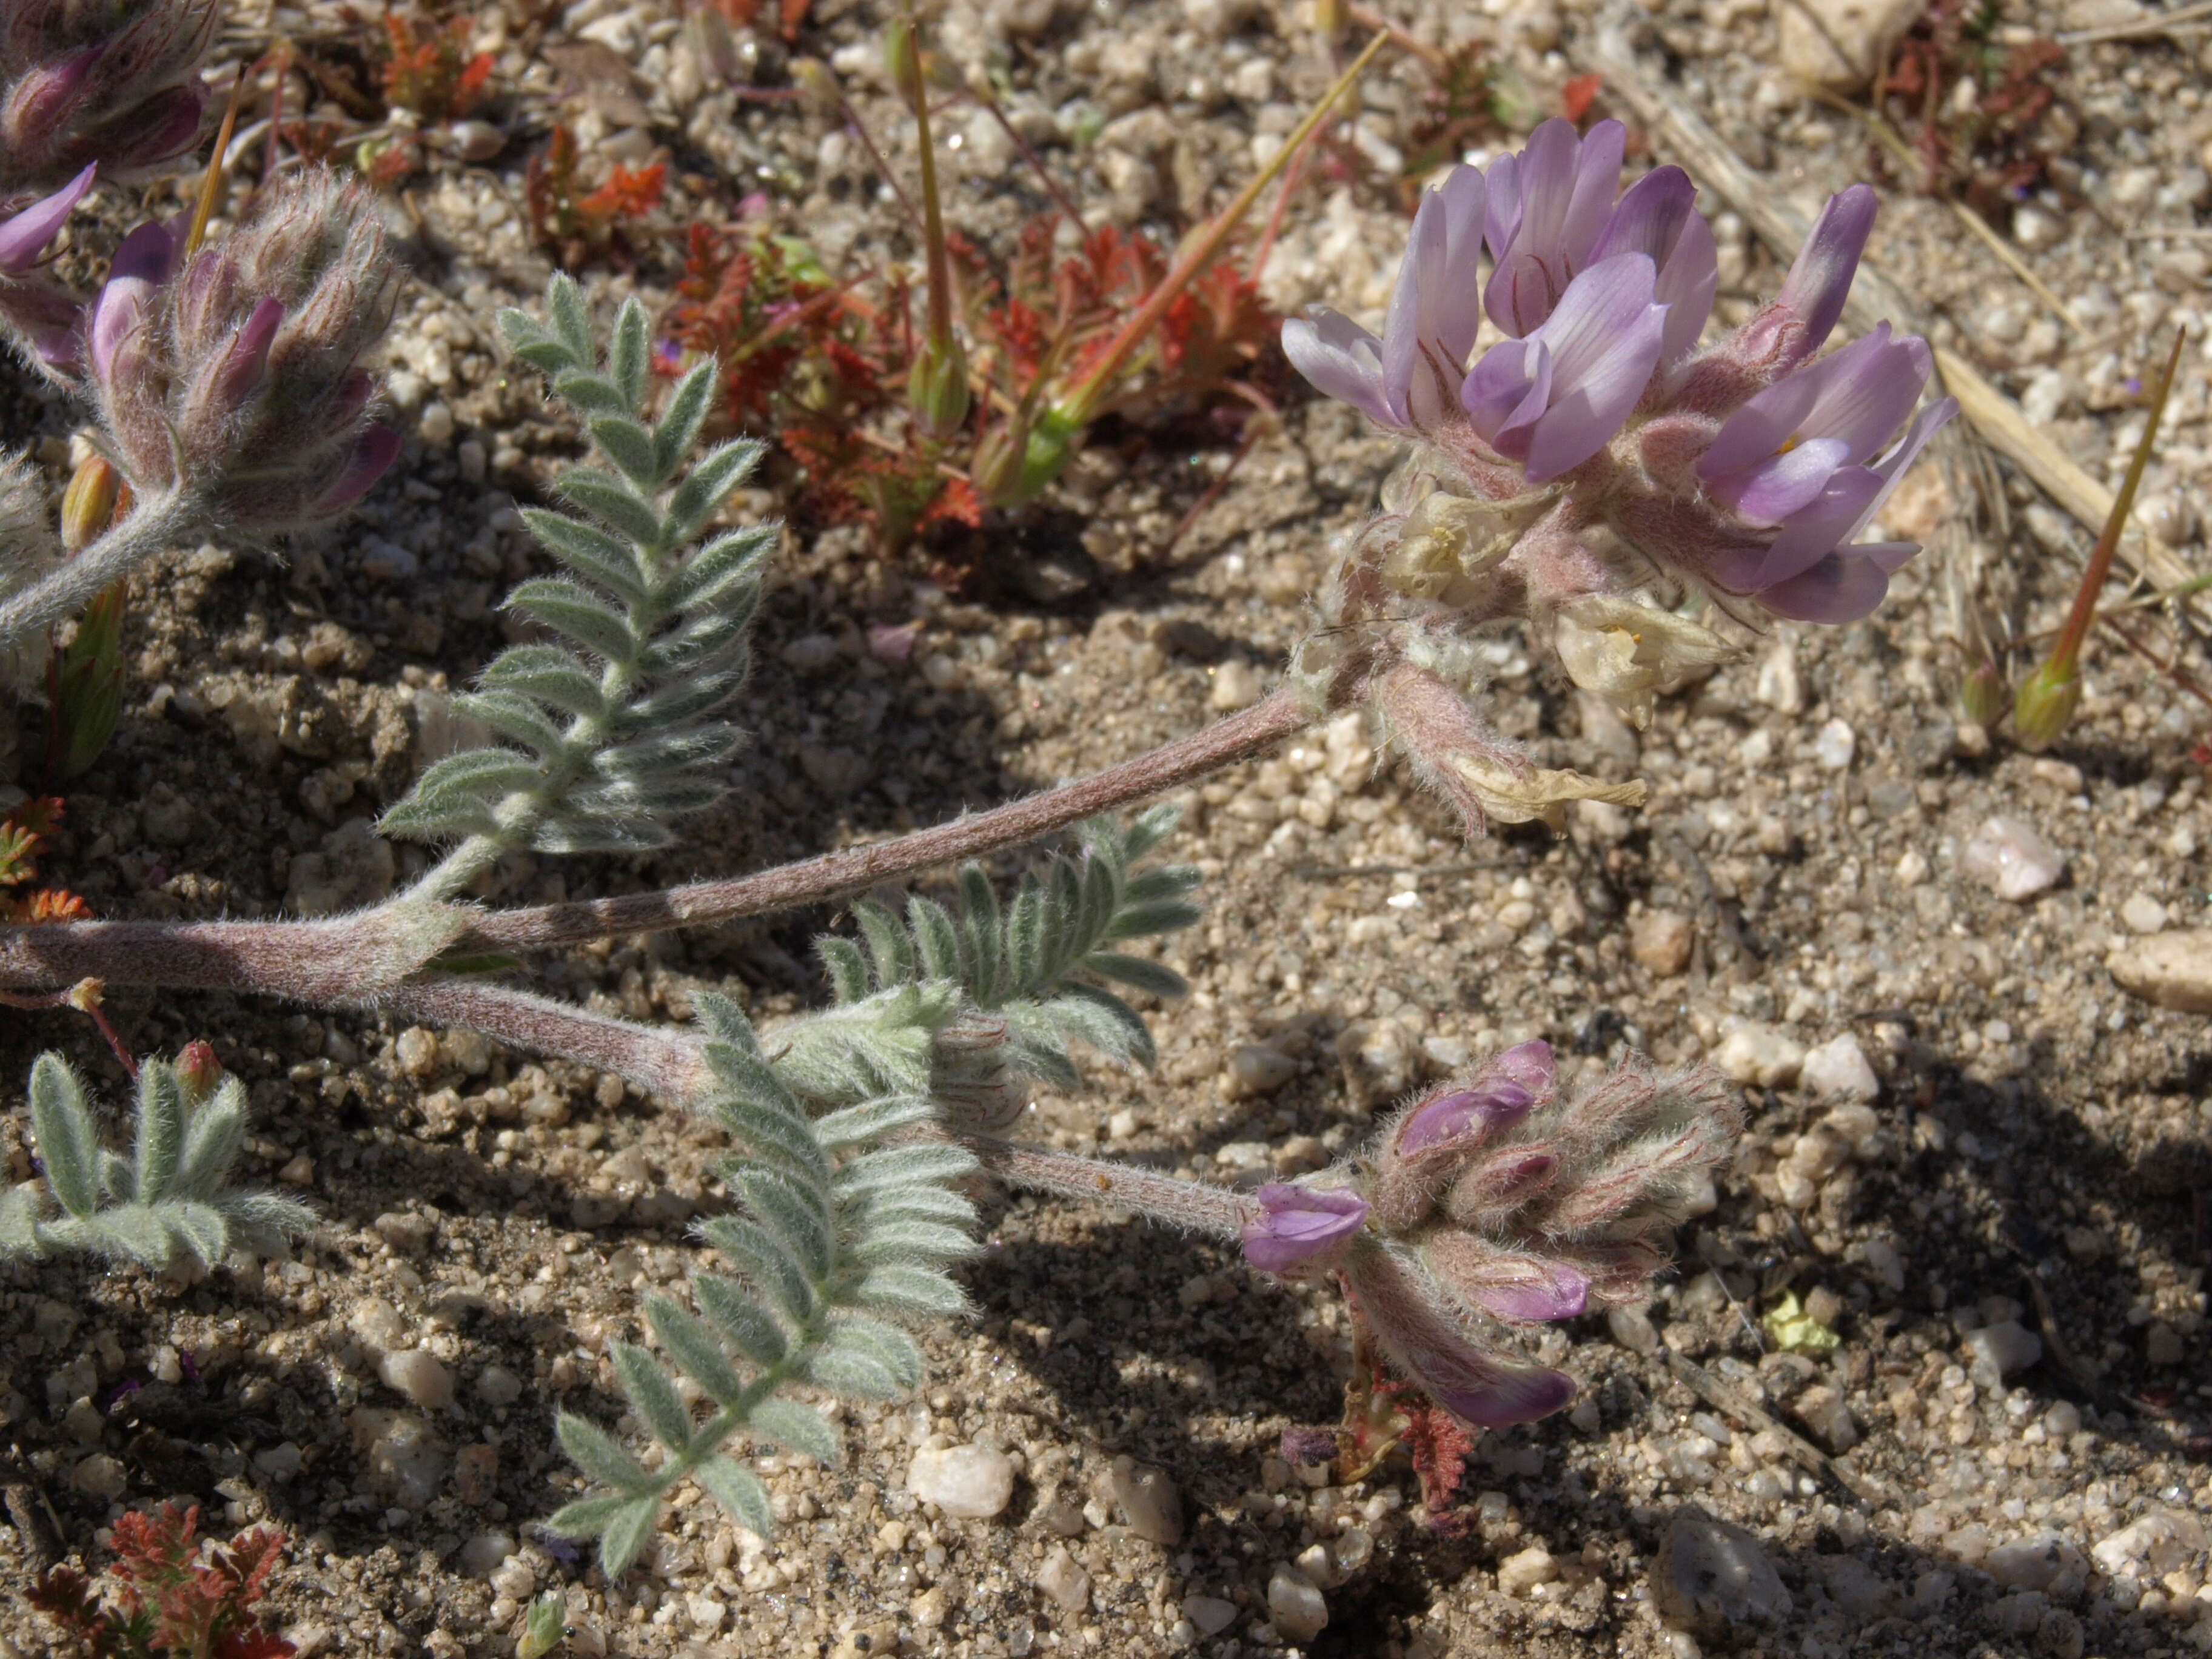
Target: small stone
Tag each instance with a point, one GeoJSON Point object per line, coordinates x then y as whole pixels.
{"type": "Point", "coordinates": [1823, 1410]}
{"type": "Point", "coordinates": [2063, 776]}
{"type": "Point", "coordinates": [2011, 860]}
{"type": "Point", "coordinates": [2036, 1562]}
{"type": "Point", "coordinates": [1257, 1069]}
{"type": "Point", "coordinates": [1860, 1594]}
{"type": "Point", "coordinates": [810, 654]}
{"type": "Point", "coordinates": [1710, 1576]}
{"type": "Point", "coordinates": [298, 1172]}
{"type": "Point", "coordinates": [1761, 1054]}
{"type": "Point", "coordinates": [2143, 914]}
{"type": "Point", "coordinates": [2036, 228]}
{"type": "Point", "coordinates": [1151, 1502]}
{"type": "Point", "coordinates": [101, 1476]}
{"type": "Point", "coordinates": [930, 1609]}
{"type": "Point", "coordinates": [1838, 43]}
{"type": "Point", "coordinates": [421, 1376]}
{"type": "Point", "coordinates": [1779, 686]}
{"type": "Point", "coordinates": [404, 1458]}
{"type": "Point", "coordinates": [466, 1051]}
{"type": "Point", "coordinates": [1632, 1328]}
{"type": "Point", "coordinates": [1298, 1610]}
{"type": "Point", "coordinates": [497, 1386]}
{"type": "Point", "coordinates": [1520, 1573]}
{"type": "Point", "coordinates": [1066, 1584]}
{"type": "Point", "coordinates": [1838, 1069]}
{"type": "Point", "coordinates": [973, 1482]}
{"type": "Point", "coordinates": [1835, 746]}
{"type": "Point", "coordinates": [2173, 970]}
{"type": "Point", "coordinates": [1996, 1351]}
{"type": "Point", "coordinates": [486, 1553]}
{"type": "Point", "coordinates": [1661, 940]}
{"type": "Point", "coordinates": [1378, 1061]}
{"type": "Point", "coordinates": [1236, 685]}
{"type": "Point", "coordinates": [2162, 1344]}
{"type": "Point", "coordinates": [417, 1051]}
{"type": "Point", "coordinates": [1209, 1614]}
{"type": "Point", "coordinates": [2158, 1541]}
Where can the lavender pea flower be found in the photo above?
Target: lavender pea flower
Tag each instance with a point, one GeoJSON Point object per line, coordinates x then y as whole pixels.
{"type": "Point", "coordinates": [1548, 203]}
{"type": "Point", "coordinates": [1301, 1226]}
{"type": "Point", "coordinates": [1410, 376]}
{"type": "Point", "coordinates": [1552, 400]}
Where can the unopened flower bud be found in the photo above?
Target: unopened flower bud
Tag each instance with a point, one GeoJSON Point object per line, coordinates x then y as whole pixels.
{"type": "Point", "coordinates": [89, 505]}
{"type": "Point", "coordinates": [235, 373]}
{"type": "Point", "coordinates": [1515, 1285]}
{"type": "Point", "coordinates": [937, 387]}
{"type": "Point", "coordinates": [1983, 697]}
{"type": "Point", "coordinates": [2045, 704]}
{"type": "Point", "coordinates": [1482, 1389]}
{"type": "Point", "coordinates": [198, 1070]}
{"type": "Point", "coordinates": [1301, 1227]}
{"type": "Point", "coordinates": [902, 59]}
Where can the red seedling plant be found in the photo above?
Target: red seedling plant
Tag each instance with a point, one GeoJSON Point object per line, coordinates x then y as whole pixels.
{"type": "Point", "coordinates": [1987, 145]}
{"type": "Point", "coordinates": [177, 1599]}
{"type": "Point", "coordinates": [579, 223]}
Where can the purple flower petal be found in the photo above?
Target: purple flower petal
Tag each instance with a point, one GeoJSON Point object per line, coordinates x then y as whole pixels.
{"type": "Point", "coordinates": [24, 235]}
{"type": "Point", "coordinates": [1842, 588]}
{"type": "Point", "coordinates": [1478, 1387]}
{"type": "Point", "coordinates": [1436, 307]}
{"type": "Point", "coordinates": [1893, 467]}
{"type": "Point", "coordinates": [1506, 393]}
{"type": "Point", "coordinates": [1342, 358]}
{"type": "Point", "coordinates": [1494, 1103]}
{"type": "Point", "coordinates": [1771, 492]}
{"type": "Point", "coordinates": [1820, 279]}
{"type": "Point", "coordinates": [1529, 1064]}
{"type": "Point", "coordinates": [1299, 1225]}
{"type": "Point", "coordinates": [1688, 283]}
{"type": "Point", "coordinates": [1547, 206]}
{"type": "Point", "coordinates": [1606, 336]}
{"type": "Point", "coordinates": [1526, 1289]}
{"type": "Point", "coordinates": [141, 264]}
{"type": "Point", "coordinates": [372, 453]}
{"type": "Point", "coordinates": [1818, 529]}
{"type": "Point", "coordinates": [248, 356]}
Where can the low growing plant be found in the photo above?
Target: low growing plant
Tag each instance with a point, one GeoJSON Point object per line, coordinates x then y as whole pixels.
{"type": "Point", "coordinates": [1587, 472]}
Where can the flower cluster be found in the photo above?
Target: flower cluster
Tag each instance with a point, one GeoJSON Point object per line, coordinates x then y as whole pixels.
{"type": "Point", "coordinates": [1591, 458]}
{"type": "Point", "coordinates": [234, 371]}
{"type": "Point", "coordinates": [1496, 1197]}
{"type": "Point", "coordinates": [104, 81]}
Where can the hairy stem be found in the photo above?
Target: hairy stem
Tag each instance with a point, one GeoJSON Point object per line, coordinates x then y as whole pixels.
{"type": "Point", "coordinates": [1238, 738]}
{"type": "Point", "coordinates": [1193, 1204]}
{"type": "Point", "coordinates": [664, 1061]}
{"type": "Point", "coordinates": [155, 528]}
{"type": "Point", "coordinates": [353, 959]}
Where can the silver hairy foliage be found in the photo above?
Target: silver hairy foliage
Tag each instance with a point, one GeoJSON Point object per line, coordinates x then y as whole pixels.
{"type": "Point", "coordinates": [612, 727]}
{"type": "Point", "coordinates": [166, 1200]}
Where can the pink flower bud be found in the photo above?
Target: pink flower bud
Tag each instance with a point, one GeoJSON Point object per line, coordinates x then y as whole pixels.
{"type": "Point", "coordinates": [1515, 1285]}
{"type": "Point", "coordinates": [235, 375]}
{"type": "Point", "coordinates": [1301, 1227]}
{"type": "Point", "coordinates": [1465, 1113]}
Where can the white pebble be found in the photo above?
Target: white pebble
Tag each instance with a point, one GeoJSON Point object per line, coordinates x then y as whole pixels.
{"type": "Point", "coordinates": [418, 1375]}
{"type": "Point", "coordinates": [1067, 1584]}
{"type": "Point", "coordinates": [1838, 1069]}
{"type": "Point", "coordinates": [486, 1553]}
{"type": "Point", "coordinates": [1209, 1614]}
{"type": "Point", "coordinates": [974, 1482]}
{"type": "Point", "coordinates": [2011, 860]}
{"type": "Point", "coordinates": [2143, 913]}
{"type": "Point", "coordinates": [497, 1386]}
{"type": "Point", "coordinates": [1835, 745]}
{"type": "Point", "coordinates": [1761, 1054]}
{"type": "Point", "coordinates": [2160, 1541]}
{"type": "Point", "coordinates": [1236, 685]}
{"type": "Point", "coordinates": [1997, 1351]}
{"type": "Point", "coordinates": [1520, 1573]}
{"type": "Point", "coordinates": [1258, 1069]}
{"type": "Point", "coordinates": [1299, 1611]}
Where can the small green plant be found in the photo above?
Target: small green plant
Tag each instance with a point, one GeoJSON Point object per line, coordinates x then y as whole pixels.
{"type": "Point", "coordinates": [165, 1201]}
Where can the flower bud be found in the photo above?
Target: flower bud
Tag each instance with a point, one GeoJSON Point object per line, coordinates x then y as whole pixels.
{"type": "Point", "coordinates": [1513, 1284]}
{"type": "Point", "coordinates": [1301, 1227]}
{"type": "Point", "coordinates": [233, 373]}
{"type": "Point", "coordinates": [89, 505]}
{"type": "Point", "coordinates": [114, 83]}
{"type": "Point", "coordinates": [198, 1070]}
{"type": "Point", "coordinates": [1983, 697]}
{"type": "Point", "coordinates": [2046, 702]}
{"type": "Point", "coordinates": [902, 59]}
{"type": "Point", "coordinates": [936, 385]}
{"type": "Point", "coordinates": [1427, 1344]}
